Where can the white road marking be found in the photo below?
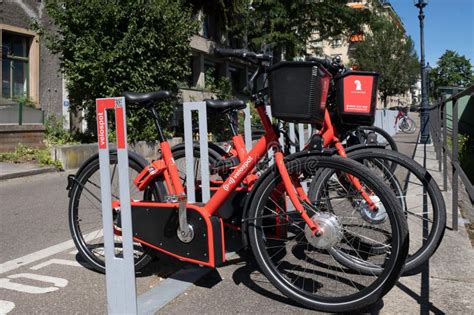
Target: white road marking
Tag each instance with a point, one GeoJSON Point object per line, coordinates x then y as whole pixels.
{"type": "Point", "coordinates": [41, 254]}
{"type": "Point", "coordinates": [58, 262]}
{"type": "Point", "coordinates": [59, 282]}
{"type": "Point", "coordinates": [74, 252]}
{"type": "Point", "coordinates": [7, 284]}
{"type": "Point", "coordinates": [6, 307]}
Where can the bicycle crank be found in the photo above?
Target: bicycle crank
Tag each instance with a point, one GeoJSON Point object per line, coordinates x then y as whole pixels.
{"type": "Point", "coordinates": [332, 231]}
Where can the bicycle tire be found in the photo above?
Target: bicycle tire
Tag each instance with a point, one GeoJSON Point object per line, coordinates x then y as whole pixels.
{"type": "Point", "coordinates": [386, 138]}
{"type": "Point", "coordinates": [81, 197]}
{"type": "Point", "coordinates": [416, 178]}
{"type": "Point", "coordinates": [179, 155]}
{"type": "Point", "coordinates": [407, 125]}
{"type": "Point", "coordinates": [360, 296]}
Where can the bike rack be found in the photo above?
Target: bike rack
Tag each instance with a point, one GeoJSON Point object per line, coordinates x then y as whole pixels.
{"type": "Point", "coordinates": [200, 107]}
{"type": "Point", "coordinates": [120, 271]}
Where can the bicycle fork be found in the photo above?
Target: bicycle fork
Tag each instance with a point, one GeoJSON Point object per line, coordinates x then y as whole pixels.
{"type": "Point", "coordinates": [295, 194]}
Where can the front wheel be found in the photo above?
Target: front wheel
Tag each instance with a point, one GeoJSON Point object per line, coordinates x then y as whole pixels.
{"type": "Point", "coordinates": [302, 266]}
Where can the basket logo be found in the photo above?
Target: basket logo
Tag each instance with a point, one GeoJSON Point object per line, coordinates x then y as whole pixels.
{"type": "Point", "coordinates": [358, 85]}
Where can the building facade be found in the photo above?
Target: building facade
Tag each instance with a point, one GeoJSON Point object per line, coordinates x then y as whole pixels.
{"type": "Point", "coordinates": [344, 46]}
{"type": "Point", "coordinates": [29, 70]}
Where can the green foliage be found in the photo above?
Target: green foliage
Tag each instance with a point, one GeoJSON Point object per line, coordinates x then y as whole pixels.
{"type": "Point", "coordinates": [218, 124]}
{"type": "Point", "coordinates": [286, 25]}
{"type": "Point", "coordinates": [389, 52]}
{"type": "Point", "coordinates": [108, 47]}
{"type": "Point", "coordinates": [56, 134]}
{"type": "Point", "coordinates": [289, 25]}
{"type": "Point", "coordinates": [25, 101]}
{"type": "Point", "coordinates": [452, 70]}
{"type": "Point", "coordinates": [26, 154]}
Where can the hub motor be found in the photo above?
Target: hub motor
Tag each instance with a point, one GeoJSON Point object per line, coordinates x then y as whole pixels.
{"type": "Point", "coordinates": [376, 216]}
{"type": "Point", "coordinates": [332, 231]}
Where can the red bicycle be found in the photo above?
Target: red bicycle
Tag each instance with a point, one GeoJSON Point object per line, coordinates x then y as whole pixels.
{"type": "Point", "coordinates": [417, 192]}
{"type": "Point", "coordinates": [293, 240]}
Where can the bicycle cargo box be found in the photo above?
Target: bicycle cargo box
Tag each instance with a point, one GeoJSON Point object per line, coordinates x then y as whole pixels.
{"type": "Point", "coordinates": [298, 91]}
{"type": "Point", "coordinates": [356, 97]}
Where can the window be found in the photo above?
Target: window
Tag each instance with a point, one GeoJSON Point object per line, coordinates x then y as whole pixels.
{"type": "Point", "coordinates": [237, 76]}
{"type": "Point", "coordinates": [209, 27]}
{"type": "Point", "coordinates": [210, 74]}
{"type": "Point", "coordinates": [337, 42]}
{"type": "Point", "coordinates": [15, 65]}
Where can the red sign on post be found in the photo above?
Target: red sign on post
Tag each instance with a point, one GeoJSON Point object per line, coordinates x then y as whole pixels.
{"type": "Point", "coordinates": [102, 104]}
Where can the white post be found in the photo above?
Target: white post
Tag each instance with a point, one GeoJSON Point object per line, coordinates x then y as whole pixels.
{"type": "Point", "coordinates": [120, 271]}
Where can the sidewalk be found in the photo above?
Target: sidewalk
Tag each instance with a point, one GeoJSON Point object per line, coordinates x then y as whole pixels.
{"type": "Point", "coordinates": [445, 286]}
{"type": "Point", "coordinates": [12, 170]}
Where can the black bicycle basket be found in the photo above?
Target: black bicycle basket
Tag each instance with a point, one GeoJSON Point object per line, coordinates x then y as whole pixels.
{"type": "Point", "coordinates": [356, 97]}
{"type": "Point", "coordinates": [298, 91]}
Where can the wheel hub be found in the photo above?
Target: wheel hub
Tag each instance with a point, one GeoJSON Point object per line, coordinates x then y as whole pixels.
{"type": "Point", "coordinates": [331, 231]}
{"type": "Point", "coordinates": [377, 216]}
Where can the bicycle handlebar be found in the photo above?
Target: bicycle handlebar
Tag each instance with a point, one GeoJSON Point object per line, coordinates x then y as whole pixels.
{"type": "Point", "coordinates": [332, 65]}
{"type": "Point", "coordinates": [242, 54]}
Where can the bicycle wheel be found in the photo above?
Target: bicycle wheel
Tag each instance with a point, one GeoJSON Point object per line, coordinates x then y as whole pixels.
{"type": "Point", "coordinates": [300, 265]}
{"type": "Point", "coordinates": [406, 125]}
{"type": "Point", "coordinates": [215, 160]}
{"type": "Point", "coordinates": [420, 199]}
{"type": "Point", "coordinates": [381, 137]}
{"type": "Point", "coordinates": [85, 211]}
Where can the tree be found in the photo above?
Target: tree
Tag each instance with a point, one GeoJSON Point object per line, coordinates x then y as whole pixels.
{"type": "Point", "coordinates": [452, 70]}
{"type": "Point", "coordinates": [289, 25]}
{"type": "Point", "coordinates": [108, 47]}
{"type": "Point", "coordinates": [389, 52]}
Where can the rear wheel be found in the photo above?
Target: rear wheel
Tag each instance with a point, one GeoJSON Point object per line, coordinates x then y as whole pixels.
{"type": "Point", "coordinates": [418, 195]}
{"type": "Point", "coordinates": [372, 134]}
{"type": "Point", "coordinates": [302, 266]}
{"type": "Point", "coordinates": [407, 125]}
{"type": "Point", "coordinates": [85, 211]}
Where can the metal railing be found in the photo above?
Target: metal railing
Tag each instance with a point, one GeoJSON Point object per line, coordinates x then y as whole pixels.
{"type": "Point", "coordinates": [20, 114]}
{"type": "Point", "coordinates": [439, 135]}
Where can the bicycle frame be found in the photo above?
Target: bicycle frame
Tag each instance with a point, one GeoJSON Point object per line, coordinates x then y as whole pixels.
{"type": "Point", "coordinates": [167, 168]}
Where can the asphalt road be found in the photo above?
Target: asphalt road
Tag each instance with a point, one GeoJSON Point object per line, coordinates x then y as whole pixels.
{"type": "Point", "coordinates": [40, 271]}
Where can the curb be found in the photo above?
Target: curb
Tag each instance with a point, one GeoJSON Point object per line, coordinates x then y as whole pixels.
{"type": "Point", "coordinates": [158, 297]}
{"type": "Point", "coordinates": [31, 172]}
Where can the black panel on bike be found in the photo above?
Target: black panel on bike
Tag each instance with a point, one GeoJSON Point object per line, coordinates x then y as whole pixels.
{"type": "Point", "coordinates": [158, 227]}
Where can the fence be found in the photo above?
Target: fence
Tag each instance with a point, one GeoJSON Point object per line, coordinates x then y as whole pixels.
{"type": "Point", "coordinates": [439, 131]}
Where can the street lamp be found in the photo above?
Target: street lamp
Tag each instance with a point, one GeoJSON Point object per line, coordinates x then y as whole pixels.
{"type": "Point", "coordinates": [425, 134]}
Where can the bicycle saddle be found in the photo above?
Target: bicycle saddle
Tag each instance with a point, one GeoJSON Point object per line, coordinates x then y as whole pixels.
{"type": "Point", "coordinates": [146, 99]}
{"type": "Point", "coordinates": [225, 105]}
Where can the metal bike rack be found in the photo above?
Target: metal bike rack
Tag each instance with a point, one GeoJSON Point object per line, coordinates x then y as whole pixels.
{"type": "Point", "coordinates": [188, 108]}
{"type": "Point", "coordinates": [120, 271]}
{"type": "Point", "coordinates": [200, 107]}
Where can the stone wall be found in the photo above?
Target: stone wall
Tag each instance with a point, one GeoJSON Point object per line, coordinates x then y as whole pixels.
{"type": "Point", "coordinates": [27, 135]}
